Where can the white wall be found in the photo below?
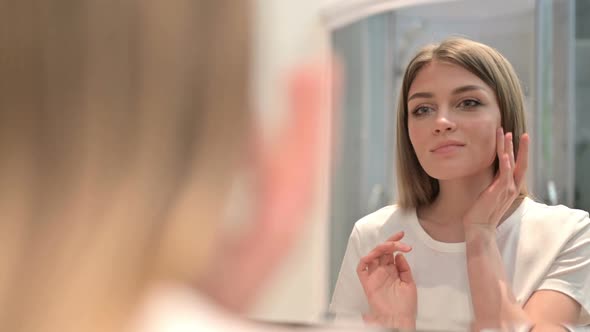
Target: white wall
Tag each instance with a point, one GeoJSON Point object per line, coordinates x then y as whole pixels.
{"type": "Point", "coordinates": [289, 32]}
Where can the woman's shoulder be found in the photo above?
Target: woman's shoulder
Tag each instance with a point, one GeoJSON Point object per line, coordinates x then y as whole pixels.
{"type": "Point", "coordinates": [176, 308]}
{"type": "Point", "coordinates": [554, 215]}
{"type": "Point", "coordinates": [384, 216]}
{"type": "Point", "coordinates": [554, 219]}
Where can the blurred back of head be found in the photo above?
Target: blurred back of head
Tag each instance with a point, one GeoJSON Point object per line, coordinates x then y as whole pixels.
{"type": "Point", "coordinates": [118, 120]}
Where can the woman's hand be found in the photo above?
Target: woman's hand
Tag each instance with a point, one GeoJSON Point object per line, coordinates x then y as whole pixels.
{"type": "Point", "coordinates": [388, 284]}
{"type": "Point", "coordinates": [494, 304]}
{"type": "Point", "coordinates": [495, 200]}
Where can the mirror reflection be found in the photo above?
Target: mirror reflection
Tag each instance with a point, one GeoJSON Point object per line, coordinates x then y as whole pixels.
{"type": "Point", "coordinates": [406, 119]}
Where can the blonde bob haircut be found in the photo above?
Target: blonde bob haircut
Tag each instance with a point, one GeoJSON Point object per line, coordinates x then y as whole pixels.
{"type": "Point", "coordinates": [121, 126]}
{"type": "Point", "coordinates": [415, 187]}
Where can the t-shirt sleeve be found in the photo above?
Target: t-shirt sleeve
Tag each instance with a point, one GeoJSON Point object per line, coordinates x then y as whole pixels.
{"type": "Point", "coordinates": [570, 272]}
{"type": "Point", "coordinates": [349, 297]}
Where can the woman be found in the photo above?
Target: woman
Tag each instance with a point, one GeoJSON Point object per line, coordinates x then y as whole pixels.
{"type": "Point", "coordinates": [471, 246]}
{"type": "Point", "coordinates": [123, 125]}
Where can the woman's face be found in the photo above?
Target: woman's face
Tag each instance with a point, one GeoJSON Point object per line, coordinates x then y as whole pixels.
{"type": "Point", "coordinates": [452, 121]}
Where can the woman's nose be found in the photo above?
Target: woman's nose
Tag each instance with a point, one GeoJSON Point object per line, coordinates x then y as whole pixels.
{"type": "Point", "coordinates": [444, 123]}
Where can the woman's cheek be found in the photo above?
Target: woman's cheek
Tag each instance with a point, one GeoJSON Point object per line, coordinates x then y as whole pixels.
{"type": "Point", "coordinates": [489, 149]}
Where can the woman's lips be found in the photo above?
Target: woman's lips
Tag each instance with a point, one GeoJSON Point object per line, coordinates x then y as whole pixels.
{"type": "Point", "coordinates": [448, 148]}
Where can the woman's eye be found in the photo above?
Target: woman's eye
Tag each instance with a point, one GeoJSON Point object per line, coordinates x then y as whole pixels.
{"type": "Point", "coordinates": [468, 103]}
{"type": "Point", "coordinates": [421, 110]}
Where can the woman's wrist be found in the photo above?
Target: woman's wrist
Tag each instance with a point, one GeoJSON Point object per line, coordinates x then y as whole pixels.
{"type": "Point", "coordinates": [479, 240]}
{"type": "Point", "coordinates": [478, 231]}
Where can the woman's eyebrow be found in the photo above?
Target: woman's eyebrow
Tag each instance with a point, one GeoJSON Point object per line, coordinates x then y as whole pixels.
{"type": "Point", "coordinates": [467, 88]}
{"type": "Point", "coordinates": [457, 91]}
{"type": "Point", "coordinates": [421, 95]}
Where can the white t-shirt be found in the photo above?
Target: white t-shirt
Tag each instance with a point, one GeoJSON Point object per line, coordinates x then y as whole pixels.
{"type": "Point", "coordinates": [542, 247]}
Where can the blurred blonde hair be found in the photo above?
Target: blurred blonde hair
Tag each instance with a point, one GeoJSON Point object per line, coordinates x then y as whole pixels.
{"type": "Point", "coordinates": [415, 187]}
{"type": "Point", "coordinates": [120, 124]}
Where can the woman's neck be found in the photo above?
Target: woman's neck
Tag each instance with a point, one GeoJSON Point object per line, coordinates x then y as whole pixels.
{"type": "Point", "coordinates": [455, 198]}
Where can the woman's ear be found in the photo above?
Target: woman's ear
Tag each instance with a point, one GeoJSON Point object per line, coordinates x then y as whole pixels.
{"type": "Point", "coordinates": [285, 174]}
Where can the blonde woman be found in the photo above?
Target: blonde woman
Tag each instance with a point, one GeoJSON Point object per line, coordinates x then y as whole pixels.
{"type": "Point", "coordinates": [473, 250]}
{"type": "Point", "coordinates": [122, 127]}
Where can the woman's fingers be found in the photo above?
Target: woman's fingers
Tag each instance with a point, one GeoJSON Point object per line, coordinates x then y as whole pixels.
{"type": "Point", "coordinates": [373, 265]}
{"type": "Point", "coordinates": [364, 265]}
{"type": "Point", "coordinates": [396, 237]}
{"type": "Point", "coordinates": [391, 247]}
{"type": "Point", "coordinates": [387, 248]}
{"type": "Point", "coordinates": [369, 263]}
{"type": "Point", "coordinates": [505, 150]}
{"type": "Point", "coordinates": [507, 170]}
{"type": "Point", "coordinates": [383, 260]}
{"type": "Point", "coordinates": [403, 268]}
{"type": "Point", "coordinates": [522, 160]}
{"type": "Point", "coordinates": [509, 147]}
{"type": "Point", "coordinates": [500, 142]}
{"type": "Point", "coordinates": [518, 165]}
{"type": "Point", "coordinates": [363, 269]}
{"type": "Point", "coordinates": [386, 260]}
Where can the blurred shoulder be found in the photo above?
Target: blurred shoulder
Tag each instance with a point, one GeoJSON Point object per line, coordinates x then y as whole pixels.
{"type": "Point", "coordinates": [179, 308]}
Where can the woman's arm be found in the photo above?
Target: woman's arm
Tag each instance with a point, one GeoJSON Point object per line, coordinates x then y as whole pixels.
{"type": "Point", "coordinates": [494, 303]}
{"type": "Point", "coordinates": [491, 295]}
{"type": "Point", "coordinates": [541, 307]}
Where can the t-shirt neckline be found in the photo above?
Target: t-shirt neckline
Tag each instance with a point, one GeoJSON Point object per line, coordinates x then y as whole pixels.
{"type": "Point", "coordinates": [459, 247]}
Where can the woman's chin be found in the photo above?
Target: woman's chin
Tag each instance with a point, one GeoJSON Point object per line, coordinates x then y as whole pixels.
{"type": "Point", "coordinates": [456, 173]}
{"type": "Point", "coordinates": [443, 174]}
